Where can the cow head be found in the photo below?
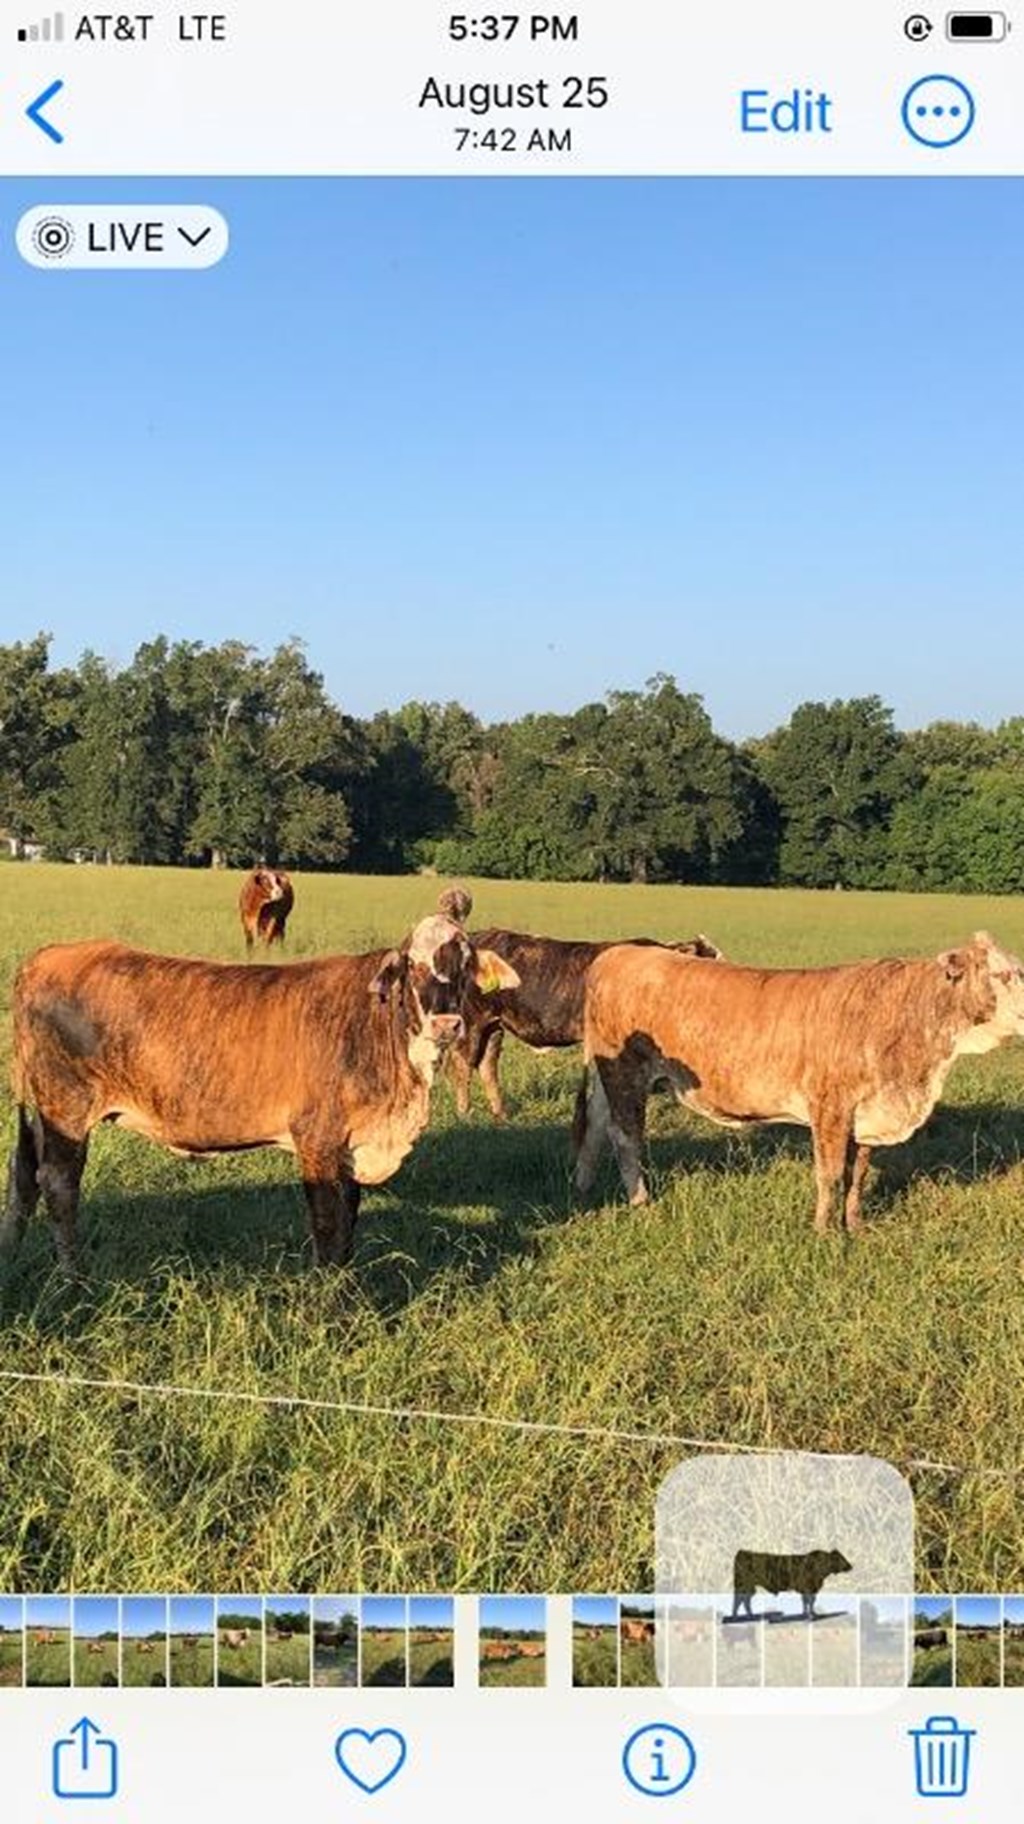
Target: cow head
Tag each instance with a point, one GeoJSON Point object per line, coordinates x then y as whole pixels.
{"type": "Point", "coordinates": [699, 946]}
{"type": "Point", "coordinates": [270, 883]}
{"type": "Point", "coordinates": [990, 985]}
{"type": "Point", "coordinates": [837, 1564]}
{"type": "Point", "coordinates": [431, 976]}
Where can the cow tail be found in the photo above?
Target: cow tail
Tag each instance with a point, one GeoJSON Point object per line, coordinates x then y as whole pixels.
{"type": "Point", "coordinates": [579, 1115]}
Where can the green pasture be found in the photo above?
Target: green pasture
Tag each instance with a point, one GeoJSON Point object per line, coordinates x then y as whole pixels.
{"type": "Point", "coordinates": [48, 1662]}
{"type": "Point", "coordinates": [142, 1668]}
{"type": "Point", "coordinates": [100, 1668]}
{"type": "Point", "coordinates": [384, 1655]}
{"type": "Point", "coordinates": [479, 1287]}
{"type": "Point", "coordinates": [595, 1662]}
{"type": "Point", "coordinates": [431, 1662]}
{"type": "Point", "coordinates": [287, 1661]}
{"type": "Point", "coordinates": [191, 1660]}
{"type": "Point", "coordinates": [11, 1653]}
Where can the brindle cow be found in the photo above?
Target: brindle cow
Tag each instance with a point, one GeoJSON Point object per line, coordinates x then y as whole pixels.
{"type": "Point", "coordinates": [332, 1059]}
{"type": "Point", "coordinates": [545, 1010]}
{"type": "Point", "coordinates": [802, 1572]}
{"type": "Point", "coordinates": [264, 903]}
{"type": "Point", "coordinates": [858, 1053]}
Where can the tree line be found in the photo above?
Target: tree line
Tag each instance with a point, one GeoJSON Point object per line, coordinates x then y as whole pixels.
{"type": "Point", "coordinates": [219, 755]}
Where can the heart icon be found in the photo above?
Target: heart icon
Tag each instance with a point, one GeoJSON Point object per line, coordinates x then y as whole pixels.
{"type": "Point", "coordinates": [370, 1758]}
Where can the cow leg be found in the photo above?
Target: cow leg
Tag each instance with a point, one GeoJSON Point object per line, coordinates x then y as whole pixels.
{"type": "Point", "coordinates": [62, 1162]}
{"type": "Point", "coordinates": [831, 1143]}
{"type": "Point", "coordinates": [858, 1160]}
{"type": "Point", "coordinates": [589, 1128]}
{"type": "Point", "coordinates": [22, 1188]}
{"type": "Point", "coordinates": [626, 1090]}
{"type": "Point", "coordinates": [460, 1071]}
{"type": "Point", "coordinates": [488, 1068]}
{"type": "Point", "coordinates": [333, 1203]}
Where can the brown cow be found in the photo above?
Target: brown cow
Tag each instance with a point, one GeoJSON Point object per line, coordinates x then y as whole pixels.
{"type": "Point", "coordinates": [545, 1011]}
{"type": "Point", "coordinates": [264, 903]}
{"type": "Point", "coordinates": [94, 1646]}
{"type": "Point", "coordinates": [235, 1638]}
{"type": "Point", "coordinates": [635, 1628]}
{"type": "Point", "coordinates": [143, 1646]}
{"type": "Point", "coordinates": [331, 1059]}
{"type": "Point", "coordinates": [858, 1053]}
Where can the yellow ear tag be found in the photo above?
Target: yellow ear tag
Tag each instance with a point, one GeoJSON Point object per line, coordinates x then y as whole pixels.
{"type": "Point", "coordinates": [488, 980]}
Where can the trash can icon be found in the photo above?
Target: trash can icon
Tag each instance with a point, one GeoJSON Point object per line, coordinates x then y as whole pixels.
{"type": "Point", "coordinates": [942, 1754]}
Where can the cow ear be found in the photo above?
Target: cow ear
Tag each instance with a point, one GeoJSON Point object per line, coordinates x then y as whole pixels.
{"type": "Point", "coordinates": [491, 972]}
{"type": "Point", "coordinates": [391, 971]}
{"type": "Point", "coordinates": [954, 962]}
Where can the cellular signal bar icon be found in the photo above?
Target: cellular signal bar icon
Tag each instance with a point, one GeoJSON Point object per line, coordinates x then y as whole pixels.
{"type": "Point", "coordinates": [47, 31]}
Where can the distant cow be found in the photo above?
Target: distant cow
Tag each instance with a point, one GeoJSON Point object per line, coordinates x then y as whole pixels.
{"type": "Point", "coordinates": [858, 1053]}
{"type": "Point", "coordinates": [331, 1059]}
{"type": "Point", "coordinates": [94, 1646]}
{"type": "Point", "coordinates": [264, 903]}
{"type": "Point", "coordinates": [45, 1637]}
{"type": "Point", "coordinates": [545, 1010]}
{"type": "Point", "coordinates": [803, 1572]}
{"type": "Point", "coordinates": [281, 1634]}
{"type": "Point", "coordinates": [931, 1637]}
{"type": "Point", "coordinates": [235, 1638]}
{"type": "Point", "coordinates": [143, 1646]}
{"type": "Point", "coordinates": [635, 1628]}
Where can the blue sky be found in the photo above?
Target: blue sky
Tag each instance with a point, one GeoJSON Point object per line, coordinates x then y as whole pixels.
{"type": "Point", "coordinates": [431, 1612]}
{"type": "Point", "coordinates": [978, 1611]}
{"type": "Point", "coordinates": [383, 1612]}
{"type": "Point", "coordinates": [47, 1612]}
{"type": "Point", "coordinates": [96, 1615]}
{"type": "Point", "coordinates": [518, 442]}
{"type": "Point", "coordinates": [596, 1611]}
{"type": "Point", "coordinates": [142, 1615]}
{"type": "Point", "coordinates": [524, 1613]}
{"type": "Point", "coordinates": [191, 1614]}
{"type": "Point", "coordinates": [334, 1608]}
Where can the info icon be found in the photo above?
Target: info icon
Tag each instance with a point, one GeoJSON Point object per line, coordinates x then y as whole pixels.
{"type": "Point", "coordinates": [658, 1760]}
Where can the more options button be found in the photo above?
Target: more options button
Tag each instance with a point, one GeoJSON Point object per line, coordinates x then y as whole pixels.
{"type": "Point", "coordinates": [80, 236]}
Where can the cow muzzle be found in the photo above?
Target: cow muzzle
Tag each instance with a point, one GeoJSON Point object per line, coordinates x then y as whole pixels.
{"type": "Point", "coordinates": [445, 1028]}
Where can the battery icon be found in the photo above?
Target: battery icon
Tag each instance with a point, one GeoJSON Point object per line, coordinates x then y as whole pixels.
{"type": "Point", "coordinates": [977, 28]}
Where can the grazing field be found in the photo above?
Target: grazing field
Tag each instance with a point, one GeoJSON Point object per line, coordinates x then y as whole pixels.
{"type": "Point", "coordinates": [932, 1666]}
{"type": "Point", "coordinates": [637, 1664]}
{"type": "Point", "coordinates": [92, 1668]}
{"type": "Point", "coordinates": [48, 1662]}
{"type": "Point", "coordinates": [524, 1670]}
{"type": "Point", "coordinates": [978, 1662]}
{"type": "Point", "coordinates": [191, 1660]}
{"type": "Point", "coordinates": [288, 1661]}
{"type": "Point", "coordinates": [384, 1654]}
{"type": "Point", "coordinates": [479, 1287]}
{"type": "Point", "coordinates": [595, 1662]}
{"type": "Point", "coordinates": [1013, 1661]}
{"type": "Point", "coordinates": [241, 1665]}
{"type": "Point", "coordinates": [142, 1669]}
{"type": "Point", "coordinates": [335, 1663]}
{"type": "Point", "coordinates": [431, 1662]}
{"type": "Point", "coordinates": [11, 1653]}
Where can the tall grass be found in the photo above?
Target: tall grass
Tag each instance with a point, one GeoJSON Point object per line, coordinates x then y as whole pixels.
{"type": "Point", "coordinates": [479, 1288]}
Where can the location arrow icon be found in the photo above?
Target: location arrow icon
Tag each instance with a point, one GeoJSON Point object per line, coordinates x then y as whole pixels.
{"type": "Point", "coordinates": [38, 118]}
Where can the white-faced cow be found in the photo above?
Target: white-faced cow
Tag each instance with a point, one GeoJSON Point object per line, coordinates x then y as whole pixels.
{"type": "Point", "coordinates": [265, 901]}
{"type": "Point", "coordinates": [858, 1053]}
{"type": "Point", "coordinates": [332, 1059]}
